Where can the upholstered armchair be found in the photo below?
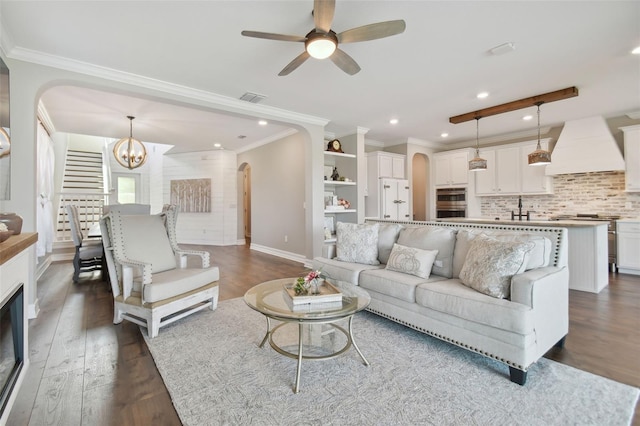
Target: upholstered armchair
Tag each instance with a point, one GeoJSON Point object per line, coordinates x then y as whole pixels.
{"type": "Point", "coordinates": [88, 256]}
{"type": "Point", "coordinates": [151, 282]}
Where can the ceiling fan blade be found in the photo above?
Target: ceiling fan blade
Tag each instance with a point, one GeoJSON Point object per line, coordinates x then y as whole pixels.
{"type": "Point", "coordinates": [372, 31]}
{"type": "Point", "coordinates": [299, 60]}
{"type": "Point", "coordinates": [345, 62]}
{"type": "Point", "coordinates": [272, 36]}
{"type": "Point", "coordinates": [323, 14]}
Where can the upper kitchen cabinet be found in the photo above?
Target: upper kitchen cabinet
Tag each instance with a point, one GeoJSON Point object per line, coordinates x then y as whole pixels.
{"type": "Point", "coordinates": [632, 157]}
{"type": "Point", "coordinates": [451, 168]}
{"type": "Point", "coordinates": [508, 172]}
{"type": "Point", "coordinates": [386, 165]}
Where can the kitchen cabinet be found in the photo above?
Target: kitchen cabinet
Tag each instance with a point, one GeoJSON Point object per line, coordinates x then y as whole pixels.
{"type": "Point", "coordinates": [394, 199]}
{"type": "Point", "coordinates": [632, 157]}
{"type": "Point", "coordinates": [386, 164]}
{"type": "Point", "coordinates": [628, 236]}
{"type": "Point", "coordinates": [508, 171]}
{"type": "Point", "coordinates": [451, 168]}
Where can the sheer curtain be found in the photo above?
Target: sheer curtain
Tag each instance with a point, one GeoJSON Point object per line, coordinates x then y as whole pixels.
{"type": "Point", "coordinates": [46, 163]}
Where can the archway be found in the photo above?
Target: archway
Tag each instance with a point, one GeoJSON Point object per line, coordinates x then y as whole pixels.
{"type": "Point", "coordinates": [420, 186]}
{"type": "Point", "coordinates": [244, 185]}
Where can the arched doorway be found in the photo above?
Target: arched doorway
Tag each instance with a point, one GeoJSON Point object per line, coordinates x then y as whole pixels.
{"type": "Point", "coordinates": [420, 185]}
{"type": "Point", "coordinates": [245, 174]}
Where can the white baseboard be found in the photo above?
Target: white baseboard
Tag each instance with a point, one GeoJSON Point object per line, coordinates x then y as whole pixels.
{"type": "Point", "coordinates": [280, 253]}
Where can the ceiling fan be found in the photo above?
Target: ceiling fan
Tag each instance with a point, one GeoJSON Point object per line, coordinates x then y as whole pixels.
{"type": "Point", "coordinates": [322, 42]}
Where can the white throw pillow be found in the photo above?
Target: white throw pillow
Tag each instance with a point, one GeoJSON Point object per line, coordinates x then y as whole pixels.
{"type": "Point", "coordinates": [357, 243]}
{"type": "Point", "coordinates": [432, 238]}
{"type": "Point", "coordinates": [490, 264]}
{"type": "Point", "coordinates": [410, 260]}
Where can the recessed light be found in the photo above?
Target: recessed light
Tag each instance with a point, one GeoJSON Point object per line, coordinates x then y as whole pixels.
{"type": "Point", "coordinates": [482, 95]}
{"type": "Point", "coordinates": [444, 135]}
{"type": "Point", "coordinates": [527, 117]}
{"type": "Point", "coordinates": [263, 122]}
{"type": "Point", "coordinates": [636, 51]}
{"type": "Point", "coordinates": [393, 121]}
{"type": "Point", "coordinates": [216, 145]}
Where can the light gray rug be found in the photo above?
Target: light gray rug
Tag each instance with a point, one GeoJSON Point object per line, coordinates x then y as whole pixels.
{"type": "Point", "coordinates": [216, 374]}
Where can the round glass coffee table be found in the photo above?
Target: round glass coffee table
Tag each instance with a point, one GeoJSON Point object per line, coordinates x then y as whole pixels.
{"type": "Point", "coordinates": [271, 300]}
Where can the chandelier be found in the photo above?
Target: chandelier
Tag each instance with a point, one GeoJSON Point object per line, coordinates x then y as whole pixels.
{"type": "Point", "coordinates": [130, 152]}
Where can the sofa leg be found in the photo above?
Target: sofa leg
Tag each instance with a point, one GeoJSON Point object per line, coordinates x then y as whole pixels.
{"type": "Point", "coordinates": [517, 376]}
{"type": "Point", "coordinates": [560, 343]}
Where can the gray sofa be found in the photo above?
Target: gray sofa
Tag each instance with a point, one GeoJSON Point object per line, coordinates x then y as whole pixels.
{"type": "Point", "coordinates": [516, 328]}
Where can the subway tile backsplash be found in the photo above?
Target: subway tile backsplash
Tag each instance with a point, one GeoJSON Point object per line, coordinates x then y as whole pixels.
{"type": "Point", "coordinates": [598, 192]}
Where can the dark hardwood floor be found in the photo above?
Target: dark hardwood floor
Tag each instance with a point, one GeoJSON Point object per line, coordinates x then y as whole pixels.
{"type": "Point", "coordinates": [86, 371]}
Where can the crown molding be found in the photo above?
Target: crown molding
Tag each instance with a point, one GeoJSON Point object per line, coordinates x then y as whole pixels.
{"type": "Point", "coordinates": [223, 102]}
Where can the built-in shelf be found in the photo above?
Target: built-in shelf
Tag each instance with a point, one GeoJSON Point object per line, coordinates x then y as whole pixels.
{"type": "Point", "coordinates": [339, 154]}
{"type": "Point", "coordinates": [339, 211]}
{"type": "Point", "coordinates": [330, 240]}
{"type": "Point", "coordinates": [338, 183]}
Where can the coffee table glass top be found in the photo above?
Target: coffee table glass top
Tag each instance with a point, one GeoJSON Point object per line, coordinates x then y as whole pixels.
{"type": "Point", "coordinates": [269, 298]}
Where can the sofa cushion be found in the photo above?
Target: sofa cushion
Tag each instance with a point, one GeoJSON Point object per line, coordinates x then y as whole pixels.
{"type": "Point", "coordinates": [490, 264]}
{"type": "Point", "coordinates": [538, 257]}
{"type": "Point", "coordinates": [454, 298]}
{"type": "Point", "coordinates": [146, 240]}
{"type": "Point", "coordinates": [394, 284]}
{"type": "Point", "coordinates": [432, 238]}
{"type": "Point", "coordinates": [357, 243]}
{"type": "Point", "coordinates": [411, 260]}
{"type": "Point", "coordinates": [341, 271]}
{"type": "Point", "coordinates": [387, 237]}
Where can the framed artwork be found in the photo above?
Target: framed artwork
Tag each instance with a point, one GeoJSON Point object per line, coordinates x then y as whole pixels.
{"type": "Point", "coordinates": [191, 195]}
{"type": "Point", "coordinates": [329, 225]}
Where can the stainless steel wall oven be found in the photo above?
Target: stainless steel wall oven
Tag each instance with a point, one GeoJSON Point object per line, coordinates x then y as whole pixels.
{"type": "Point", "coordinates": [451, 202]}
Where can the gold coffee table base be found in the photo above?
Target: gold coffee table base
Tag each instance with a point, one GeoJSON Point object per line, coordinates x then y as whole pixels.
{"type": "Point", "coordinates": [348, 333]}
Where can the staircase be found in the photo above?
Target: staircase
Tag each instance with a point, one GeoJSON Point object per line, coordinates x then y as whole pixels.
{"type": "Point", "coordinates": [83, 185]}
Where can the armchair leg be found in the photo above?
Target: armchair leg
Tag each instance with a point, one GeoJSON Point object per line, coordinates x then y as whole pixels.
{"type": "Point", "coordinates": [517, 376]}
{"type": "Point", "coordinates": [153, 327]}
{"type": "Point", "coordinates": [76, 267]}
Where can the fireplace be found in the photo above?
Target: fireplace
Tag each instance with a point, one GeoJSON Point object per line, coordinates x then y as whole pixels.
{"type": "Point", "coordinates": [11, 344]}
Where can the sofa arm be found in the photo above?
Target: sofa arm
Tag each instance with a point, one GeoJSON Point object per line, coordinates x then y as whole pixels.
{"type": "Point", "coordinates": [538, 285]}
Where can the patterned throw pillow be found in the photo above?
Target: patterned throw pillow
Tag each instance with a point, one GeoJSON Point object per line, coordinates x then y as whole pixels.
{"type": "Point", "coordinates": [410, 260]}
{"type": "Point", "coordinates": [490, 264]}
{"type": "Point", "coordinates": [357, 243]}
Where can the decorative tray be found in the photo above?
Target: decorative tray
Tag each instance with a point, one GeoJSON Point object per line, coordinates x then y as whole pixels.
{"type": "Point", "coordinates": [328, 293]}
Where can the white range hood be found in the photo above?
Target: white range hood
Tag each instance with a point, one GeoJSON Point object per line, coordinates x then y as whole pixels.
{"type": "Point", "coordinates": [585, 145]}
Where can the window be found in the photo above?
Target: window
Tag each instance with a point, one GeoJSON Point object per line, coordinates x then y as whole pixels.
{"type": "Point", "coordinates": [127, 188]}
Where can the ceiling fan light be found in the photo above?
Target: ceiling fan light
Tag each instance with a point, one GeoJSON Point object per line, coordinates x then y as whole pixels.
{"type": "Point", "coordinates": [321, 46]}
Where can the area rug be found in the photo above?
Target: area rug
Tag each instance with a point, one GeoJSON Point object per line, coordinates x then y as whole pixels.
{"type": "Point", "coordinates": [216, 374]}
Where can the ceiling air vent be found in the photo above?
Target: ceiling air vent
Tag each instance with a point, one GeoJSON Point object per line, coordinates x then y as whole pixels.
{"type": "Point", "coordinates": [254, 98]}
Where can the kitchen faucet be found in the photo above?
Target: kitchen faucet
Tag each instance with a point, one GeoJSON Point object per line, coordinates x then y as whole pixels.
{"type": "Point", "coordinates": [520, 215]}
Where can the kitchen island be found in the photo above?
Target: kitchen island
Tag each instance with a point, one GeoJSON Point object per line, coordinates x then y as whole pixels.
{"type": "Point", "coordinates": [588, 249]}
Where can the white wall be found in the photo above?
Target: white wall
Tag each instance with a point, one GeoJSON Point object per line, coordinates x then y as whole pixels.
{"type": "Point", "coordinates": [278, 194]}
{"type": "Point", "coordinates": [219, 227]}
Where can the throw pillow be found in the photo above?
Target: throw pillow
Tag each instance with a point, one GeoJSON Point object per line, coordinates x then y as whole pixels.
{"type": "Point", "coordinates": [490, 264]}
{"type": "Point", "coordinates": [357, 243]}
{"type": "Point", "coordinates": [410, 260]}
{"type": "Point", "coordinates": [387, 237]}
{"type": "Point", "coordinates": [432, 238]}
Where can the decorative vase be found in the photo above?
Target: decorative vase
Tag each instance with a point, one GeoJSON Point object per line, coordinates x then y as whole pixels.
{"type": "Point", "coordinates": [13, 222]}
{"type": "Point", "coordinates": [315, 286]}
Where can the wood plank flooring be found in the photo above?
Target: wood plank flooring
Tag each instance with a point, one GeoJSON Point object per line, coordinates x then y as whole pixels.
{"type": "Point", "coordinates": [86, 371]}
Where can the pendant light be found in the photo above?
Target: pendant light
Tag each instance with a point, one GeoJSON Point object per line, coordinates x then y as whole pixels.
{"type": "Point", "coordinates": [477, 164]}
{"type": "Point", "coordinates": [130, 152]}
{"type": "Point", "coordinates": [539, 157]}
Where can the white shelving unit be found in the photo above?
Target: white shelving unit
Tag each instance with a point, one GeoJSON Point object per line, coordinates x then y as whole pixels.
{"type": "Point", "coordinates": [347, 166]}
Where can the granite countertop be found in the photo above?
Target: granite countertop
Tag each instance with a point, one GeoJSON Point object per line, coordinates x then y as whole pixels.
{"type": "Point", "coordinates": [549, 223]}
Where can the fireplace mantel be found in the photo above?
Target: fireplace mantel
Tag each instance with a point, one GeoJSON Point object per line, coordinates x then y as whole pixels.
{"type": "Point", "coordinates": [15, 244]}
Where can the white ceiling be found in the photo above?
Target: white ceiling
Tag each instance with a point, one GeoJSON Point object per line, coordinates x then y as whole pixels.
{"type": "Point", "coordinates": [422, 77]}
